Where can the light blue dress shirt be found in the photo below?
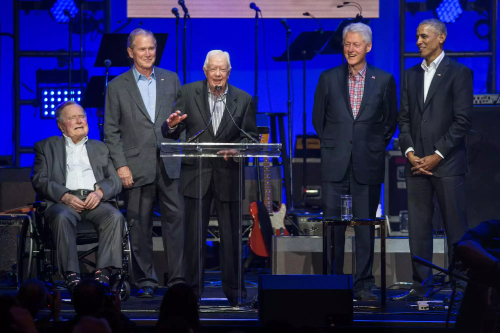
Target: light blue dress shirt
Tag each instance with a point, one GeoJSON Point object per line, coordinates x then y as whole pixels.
{"type": "Point", "coordinates": [147, 89]}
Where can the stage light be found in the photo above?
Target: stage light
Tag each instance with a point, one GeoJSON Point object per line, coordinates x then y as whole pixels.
{"type": "Point", "coordinates": [48, 106]}
{"type": "Point", "coordinates": [61, 9]}
{"type": "Point", "coordinates": [449, 11]}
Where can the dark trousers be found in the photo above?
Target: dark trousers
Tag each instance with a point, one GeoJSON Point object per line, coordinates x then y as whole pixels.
{"type": "Point", "coordinates": [365, 200]}
{"type": "Point", "coordinates": [450, 193]}
{"type": "Point", "coordinates": [107, 221]}
{"type": "Point", "coordinates": [140, 204]}
{"type": "Point", "coordinates": [227, 216]}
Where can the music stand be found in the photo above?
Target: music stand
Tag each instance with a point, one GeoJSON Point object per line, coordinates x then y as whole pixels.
{"type": "Point", "coordinates": [114, 48]}
{"type": "Point", "coordinates": [94, 97]}
{"type": "Point", "coordinates": [305, 47]}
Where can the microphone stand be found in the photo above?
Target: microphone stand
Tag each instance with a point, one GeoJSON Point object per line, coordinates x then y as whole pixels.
{"type": "Point", "coordinates": [255, 96]}
{"type": "Point", "coordinates": [184, 48]}
{"type": "Point", "coordinates": [304, 139]}
{"type": "Point", "coordinates": [100, 113]}
{"type": "Point", "coordinates": [70, 55]}
{"type": "Point", "coordinates": [289, 105]}
{"type": "Point", "coordinates": [177, 17]}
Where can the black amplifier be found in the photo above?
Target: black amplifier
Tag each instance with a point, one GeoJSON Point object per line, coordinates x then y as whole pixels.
{"type": "Point", "coordinates": [10, 230]}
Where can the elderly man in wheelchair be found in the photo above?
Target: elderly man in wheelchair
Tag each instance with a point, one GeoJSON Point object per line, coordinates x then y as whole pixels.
{"type": "Point", "coordinates": [76, 179]}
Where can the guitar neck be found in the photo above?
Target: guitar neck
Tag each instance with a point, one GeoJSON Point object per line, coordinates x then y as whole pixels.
{"type": "Point", "coordinates": [268, 197]}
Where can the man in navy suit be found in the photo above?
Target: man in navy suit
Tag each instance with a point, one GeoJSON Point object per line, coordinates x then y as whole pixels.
{"type": "Point", "coordinates": [434, 119]}
{"type": "Point", "coordinates": [355, 116]}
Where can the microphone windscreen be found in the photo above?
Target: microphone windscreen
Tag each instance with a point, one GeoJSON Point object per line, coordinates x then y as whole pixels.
{"type": "Point", "coordinates": [107, 62]}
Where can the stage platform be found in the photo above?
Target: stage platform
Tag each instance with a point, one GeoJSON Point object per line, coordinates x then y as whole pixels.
{"type": "Point", "coordinates": [217, 315]}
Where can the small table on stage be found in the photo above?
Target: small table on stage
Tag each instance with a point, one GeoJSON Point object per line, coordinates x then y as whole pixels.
{"type": "Point", "coordinates": [329, 263]}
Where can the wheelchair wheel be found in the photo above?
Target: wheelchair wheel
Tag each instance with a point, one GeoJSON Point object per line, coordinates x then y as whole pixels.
{"type": "Point", "coordinates": [124, 291]}
{"type": "Point", "coordinates": [27, 252]}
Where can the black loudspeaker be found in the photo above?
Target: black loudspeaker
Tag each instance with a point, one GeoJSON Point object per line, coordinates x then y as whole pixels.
{"type": "Point", "coordinates": [482, 181]}
{"type": "Point", "coordinates": [306, 300]}
{"type": "Point", "coordinates": [15, 188]}
{"type": "Point", "coordinates": [313, 174]}
{"type": "Point", "coordinates": [10, 229]}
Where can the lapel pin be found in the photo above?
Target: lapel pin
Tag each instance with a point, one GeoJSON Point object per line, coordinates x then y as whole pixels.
{"type": "Point", "coordinates": [373, 77]}
{"type": "Point", "coordinates": [162, 79]}
{"type": "Point", "coordinates": [439, 74]}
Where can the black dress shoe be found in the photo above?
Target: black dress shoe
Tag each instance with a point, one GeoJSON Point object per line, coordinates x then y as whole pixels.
{"type": "Point", "coordinates": [365, 295]}
{"type": "Point", "coordinates": [146, 292]}
{"type": "Point", "coordinates": [412, 294]}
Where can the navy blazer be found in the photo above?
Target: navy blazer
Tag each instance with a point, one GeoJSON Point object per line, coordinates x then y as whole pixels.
{"type": "Point", "coordinates": [442, 121]}
{"type": "Point", "coordinates": [364, 138]}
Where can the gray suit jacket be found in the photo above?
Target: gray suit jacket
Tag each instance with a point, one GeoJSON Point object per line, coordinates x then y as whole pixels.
{"type": "Point", "coordinates": [49, 170]}
{"type": "Point", "coordinates": [132, 138]}
{"type": "Point", "coordinates": [193, 101]}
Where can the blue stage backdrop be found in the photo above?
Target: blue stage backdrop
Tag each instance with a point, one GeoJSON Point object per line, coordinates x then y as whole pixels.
{"type": "Point", "coordinates": [40, 32]}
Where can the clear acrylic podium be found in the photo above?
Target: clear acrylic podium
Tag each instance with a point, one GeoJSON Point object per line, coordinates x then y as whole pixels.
{"type": "Point", "coordinates": [201, 156]}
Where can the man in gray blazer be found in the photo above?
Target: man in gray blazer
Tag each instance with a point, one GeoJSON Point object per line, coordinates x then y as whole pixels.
{"type": "Point", "coordinates": [217, 112]}
{"type": "Point", "coordinates": [137, 103]}
{"type": "Point", "coordinates": [77, 179]}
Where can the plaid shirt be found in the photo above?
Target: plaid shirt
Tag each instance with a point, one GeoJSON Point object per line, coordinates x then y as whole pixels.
{"type": "Point", "coordinates": [356, 89]}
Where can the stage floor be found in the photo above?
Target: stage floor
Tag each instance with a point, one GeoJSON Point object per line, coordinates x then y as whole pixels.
{"type": "Point", "coordinates": [215, 309]}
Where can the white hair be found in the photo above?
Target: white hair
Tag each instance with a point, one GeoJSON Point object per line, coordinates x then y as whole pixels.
{"type": "Point", "coordinates": [216, 52]}
{"type": "Point", "coordinates": [364, 30]}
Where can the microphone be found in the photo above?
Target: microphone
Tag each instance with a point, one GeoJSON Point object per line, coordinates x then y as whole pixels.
{"type": "Point", "coordinates": [175, 11]}
{"type": "Point", "coordinates": [107, 63]}
{"type": "Point", "coordinates": [248, 136]}
{"type": "Point", "coordinates": [311, 15]}
{"type": "Point", "coordinates": [184, 8]}
{"type": "Point", "coordinates": [283, 21]}
{"type": "Point", "coordinates": [194, 137]}
{"type": "Point", "coordinates": [359, 17]}
{"type": "Point", "coordinates": [254, 7]}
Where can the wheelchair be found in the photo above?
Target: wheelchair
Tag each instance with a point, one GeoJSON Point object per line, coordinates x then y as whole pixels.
{"type": "Point", "coordinates": [36, 254]}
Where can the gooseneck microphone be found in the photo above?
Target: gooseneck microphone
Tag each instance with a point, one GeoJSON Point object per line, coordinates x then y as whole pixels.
{"type": "Point", "coordinates": [254, 7]}
{"type": "Point", "coordinates": [107, 63]}
{"type": "Point", "coordinates": [285, 24]}
{"type": "Point", "coordinates": [248, 136]}
{"type": "Point", "coordinates": [319, 23]}
{"type": "Point", "coordinates": [175, 11]}
{"type": "Point", "coordinates": [184, 8]}
{"type": "Point", "coordinates": [194, 137]}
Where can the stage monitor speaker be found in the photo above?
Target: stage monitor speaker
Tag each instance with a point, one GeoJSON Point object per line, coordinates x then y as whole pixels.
{"type": "Point", "coordinates": [10, 229]}
{"type": "Point", "coordinates": [313, 174]}
{"type": "Point", "coordinates": [15, 188]}
{"type": "Point", "coordinates": [306, 300]}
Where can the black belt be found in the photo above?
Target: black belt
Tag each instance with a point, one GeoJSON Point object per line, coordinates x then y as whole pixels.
{"type": "Point", "coordinates": [80, 193]}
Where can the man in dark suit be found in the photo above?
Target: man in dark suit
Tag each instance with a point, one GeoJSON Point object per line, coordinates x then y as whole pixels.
{"type": "Point", "coordinates": [434, 119]}
{"type": "Point", "coordinates": [354, 114]}
{"type": "Point", "coordinates": [137, 103]}
{"type": "Point", "coordinates": [77, 179]}
{"type": "Point", "coordinates": [208, 106]}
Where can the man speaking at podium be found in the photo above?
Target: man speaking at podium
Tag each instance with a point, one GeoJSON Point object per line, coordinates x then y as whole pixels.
{"type": "Point", "coordinates": [355, 116]}
{"type": "Point", "coordinates": [212, 110]}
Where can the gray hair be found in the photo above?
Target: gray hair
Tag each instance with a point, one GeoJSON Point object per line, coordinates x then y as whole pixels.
{"type": "Point", "coordinates": [134, 33]}
{"type": "Point", "coordinates": [364, 30]}
{"type": "Point", "coordinates": [60, 108]}
{"type": "Point", "coordinates": [216, 52]}
{"type": "Point", "coordinates": [435, 24]}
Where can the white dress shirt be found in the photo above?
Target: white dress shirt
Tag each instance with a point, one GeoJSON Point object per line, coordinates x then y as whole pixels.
{"type": "Point", "coordinates": [429, 72]}
{"type": "Point", "coordinates": [79, 173]}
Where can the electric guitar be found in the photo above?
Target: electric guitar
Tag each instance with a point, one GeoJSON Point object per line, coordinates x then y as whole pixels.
{"type": "Point", "coordinates": [266, 224]}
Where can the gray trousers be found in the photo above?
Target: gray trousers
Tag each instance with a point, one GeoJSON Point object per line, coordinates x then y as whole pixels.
{"type": "Point", "coordinates": [107, 221]}
{"type": "Point", "coordinates": [140, 204]}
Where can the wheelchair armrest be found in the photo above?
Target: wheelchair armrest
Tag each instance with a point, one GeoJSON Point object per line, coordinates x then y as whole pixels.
{"type": "Point", "coordinates": [39, 204]}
